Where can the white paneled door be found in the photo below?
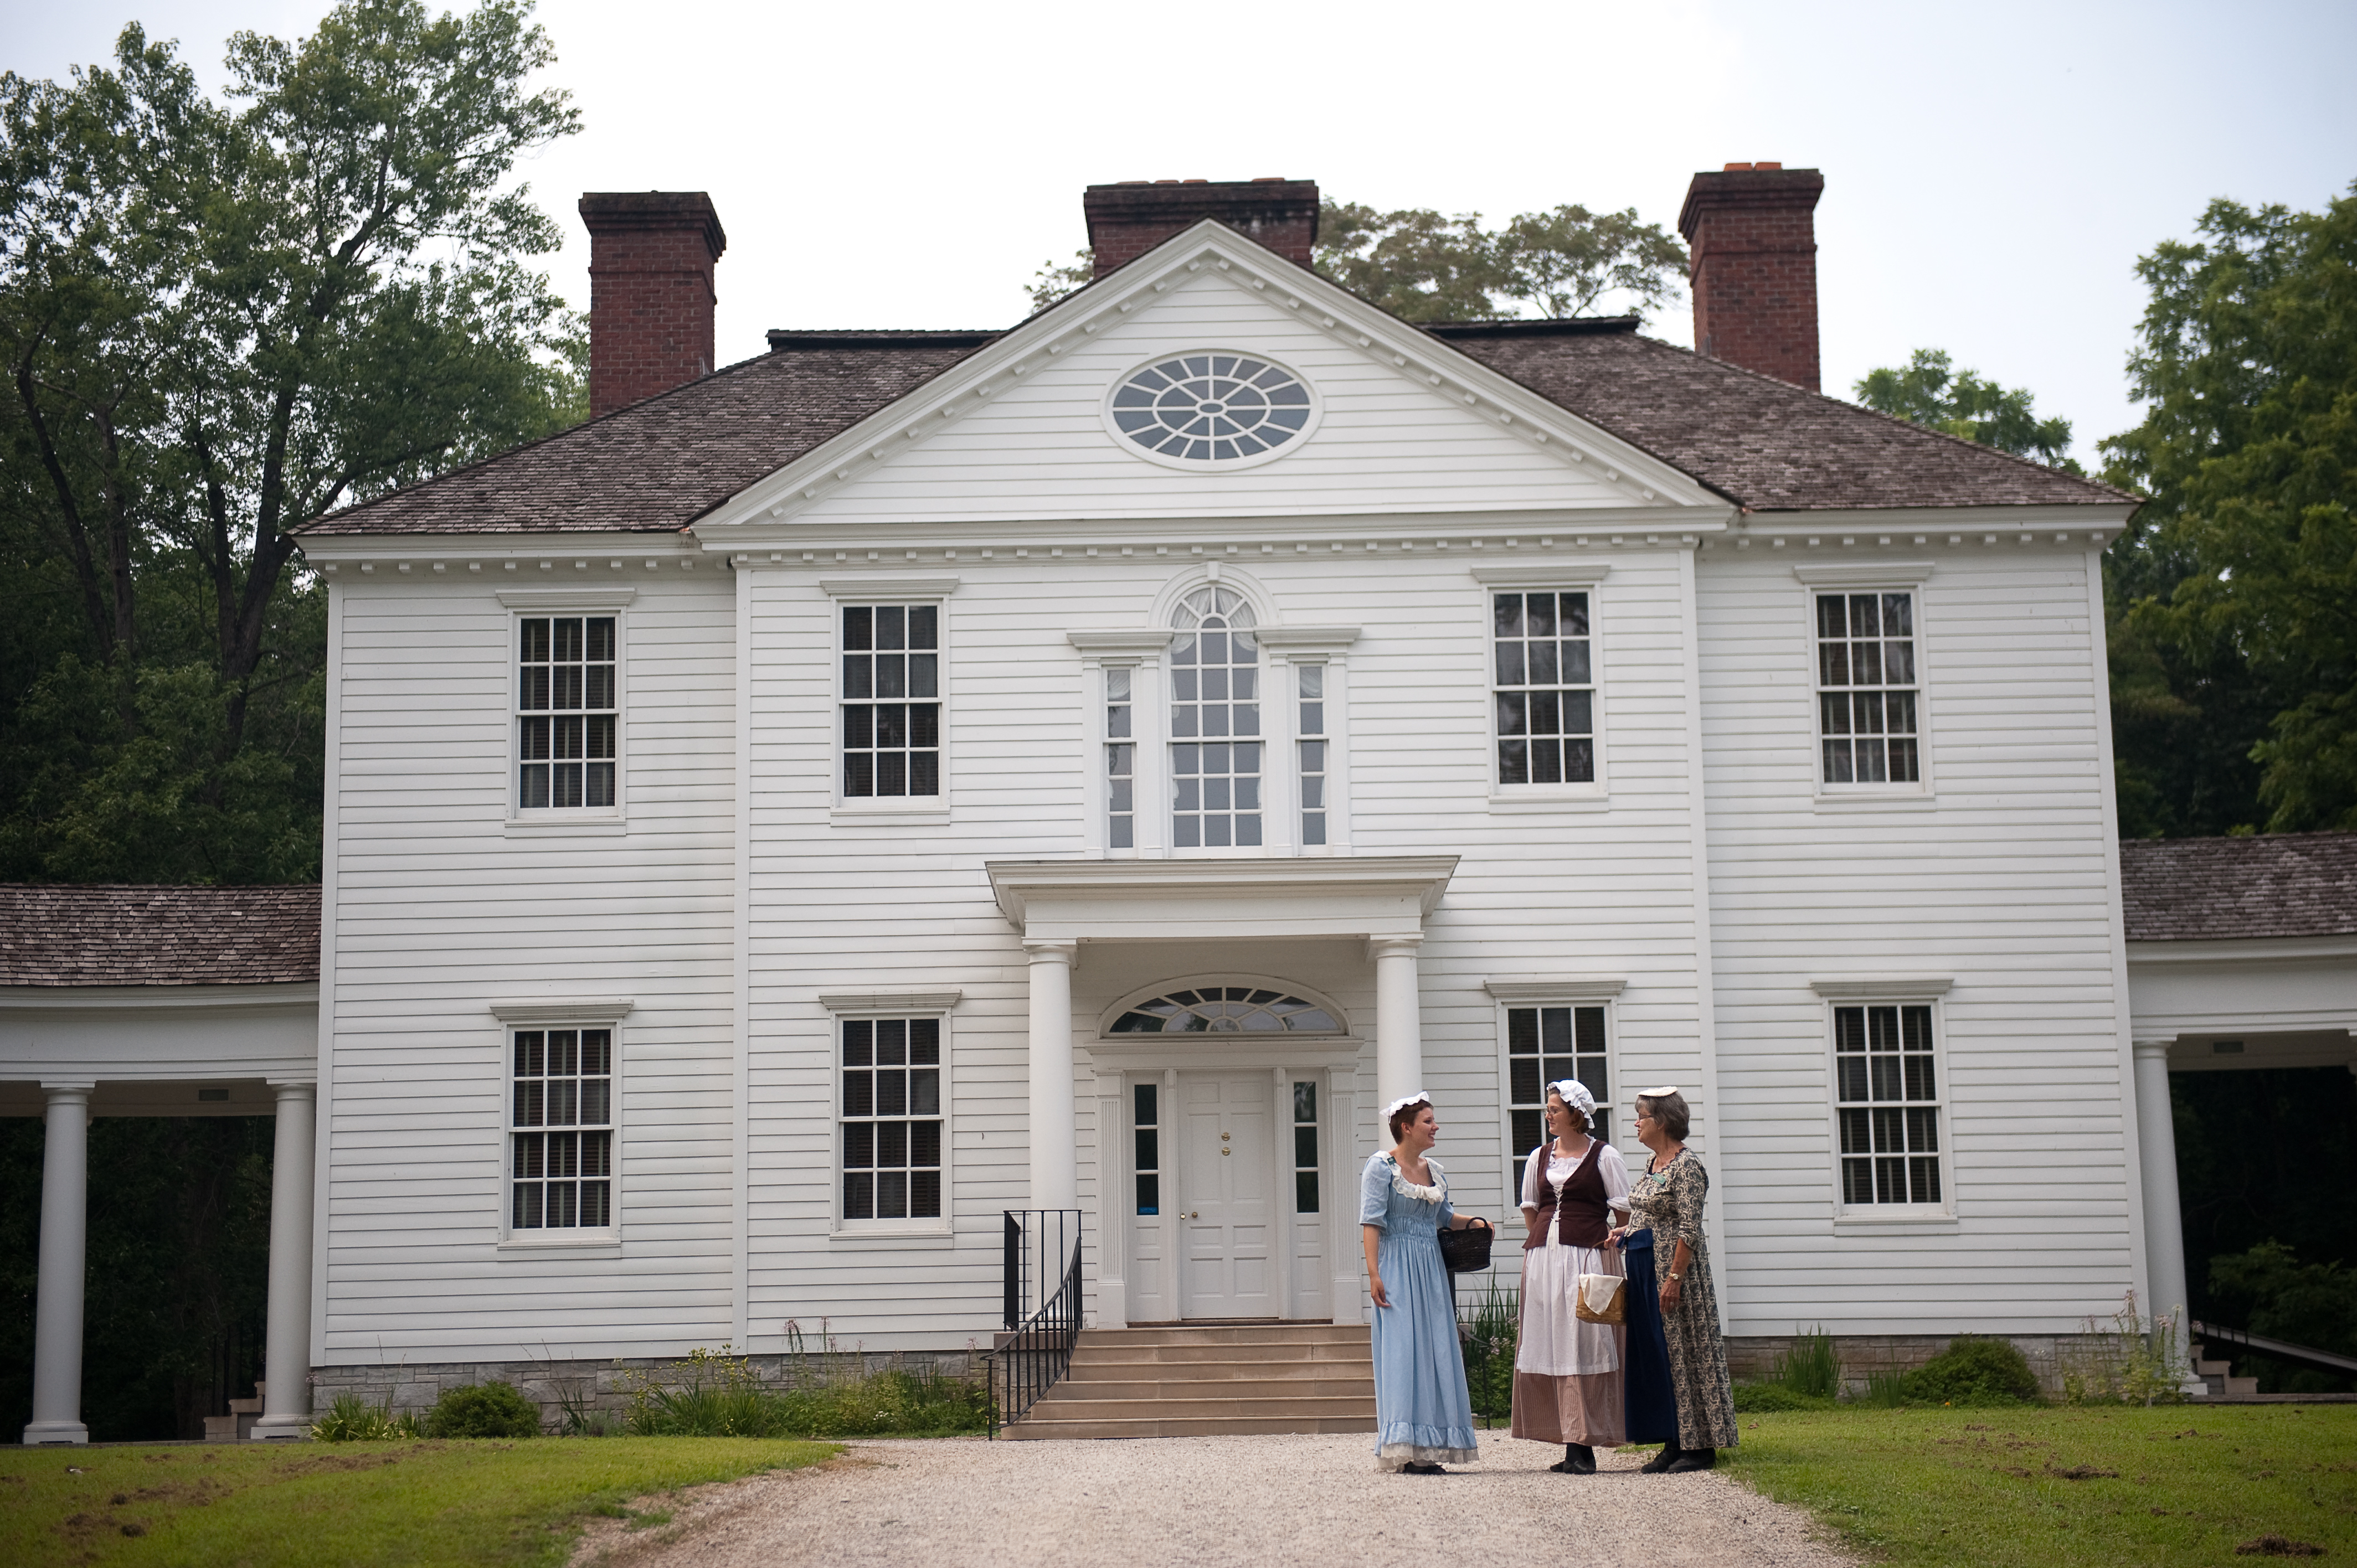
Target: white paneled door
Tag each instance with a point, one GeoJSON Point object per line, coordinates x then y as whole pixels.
{"type": "Point", "coordinates": [1227, 1199]}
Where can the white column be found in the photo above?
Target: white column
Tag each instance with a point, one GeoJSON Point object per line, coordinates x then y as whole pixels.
{"type": "Point", "coordinates": [58, 1294]}
{"type": "Point", "coordinates": [2164, 1232]}
{"type": "Point", "coordinates": [287, 1359]}
{"type": "Point", "coordinates": [1399, 1021]}
{"type": "Point", "coordinates": [1055, 1159]}
{"type": "Point", "coordinates": [1112, 1204]}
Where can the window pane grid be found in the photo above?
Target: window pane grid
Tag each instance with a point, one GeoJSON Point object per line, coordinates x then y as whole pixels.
{"type": "Point", "coordinates": [1304, 1148]}
{"type": "Point", "coordinates": [1313, 743]}
{"type": "Point", "coordinates": [560, 1119]}
{"type": "Point", "coordinates": [1887, 1101]}
{"type": "Point", "coordinates": [1146, 1126]}
{"type": "Point", "coordinates": [1215, 748]}
{"type": "Point", "coordinates": [1542, 688]}
{"type": "Point", "coordinates": [1547, 1045]}
{"type": "Point", "coordinates": [891, 1118]}
{"type": "Point", "coordinates": [1866, 688]}
{"type": "Point", "coordinates": [891, 700]}
{"type": "Point", "coordinates": [565, 704]}
{"type": "Point", "coordinates": [1121, 762]}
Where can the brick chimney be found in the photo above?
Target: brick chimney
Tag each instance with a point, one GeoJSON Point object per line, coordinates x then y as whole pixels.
{"type": "Point", "coordinates": [650, 295]}
{"type": "Point", "coordinates": [1752, 244]}
{"type": "Point", "coordinates": [1128, 220]}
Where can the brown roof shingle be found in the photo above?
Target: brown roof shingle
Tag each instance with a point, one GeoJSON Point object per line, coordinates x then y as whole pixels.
{"type": "Point", "coordinates": [2269, 884]}
{"type": "Point", "coordinates": [157, 936]}
{"type": "Point", "coordinates": [660, 465]}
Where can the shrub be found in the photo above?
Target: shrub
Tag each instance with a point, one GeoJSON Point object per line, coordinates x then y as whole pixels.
{"type": "Point", "coordinates": [1749, 1396]}
{"type": "Point", "coordinates": [1809, 1368]}
{"type": "Point", "coordinates": [2134, 1361]}
{"type": "Point", "coordinates": [351, 1419]}
{"type": "Point", "coordinates": [1972, 1370]}
{"type": "Point", "coordinates": [483, 1409]}
{"type": "Point", "coordinates": [1487, 1332]}
{"type": "Point", "coordinates": [714, 1394]}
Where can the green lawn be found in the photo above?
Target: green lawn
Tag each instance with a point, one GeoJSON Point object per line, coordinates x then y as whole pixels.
{"type": "Point", "coordinates": [2172, 1484]}
{"type": "Point", "coordinates": [372, 1503]}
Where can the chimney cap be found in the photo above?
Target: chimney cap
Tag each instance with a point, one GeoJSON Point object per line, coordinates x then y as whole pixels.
{"type": "Point", "coordinates": [624, 211]}
{"type": "Point", "coordinates": [1752, 186]}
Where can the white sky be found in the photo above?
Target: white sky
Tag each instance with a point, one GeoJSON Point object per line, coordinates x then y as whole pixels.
{"type": "Point", "coordinates": [1991, 172]}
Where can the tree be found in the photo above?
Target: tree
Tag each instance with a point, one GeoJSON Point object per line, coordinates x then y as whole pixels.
{"type": "Point", "coordinates": [221, 321]}
{"type": "Point", "coordinates": [1928, 392]}
{"type": "Point", "coordinates": [2241, 575]}
{"type": "Point", "coordinates": [1424, 267]}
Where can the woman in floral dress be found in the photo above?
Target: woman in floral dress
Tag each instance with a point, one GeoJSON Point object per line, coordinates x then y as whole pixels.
{"type": "Point", "coordinates": [1667, 1198]}
{"type": "Point", "coordinates": [1424, 1414]}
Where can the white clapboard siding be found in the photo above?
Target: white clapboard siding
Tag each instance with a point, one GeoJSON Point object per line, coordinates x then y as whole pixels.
{"type": "Point", "coordinates": [1038, 450]}
{"type": "Point", "coordinates": [442, 909]}
{"type": "Point", "coordinates": [1999, 882]}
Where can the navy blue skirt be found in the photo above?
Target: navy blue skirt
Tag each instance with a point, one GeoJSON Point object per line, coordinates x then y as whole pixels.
{"type": "Point", "coordinates": [1652, 1408]}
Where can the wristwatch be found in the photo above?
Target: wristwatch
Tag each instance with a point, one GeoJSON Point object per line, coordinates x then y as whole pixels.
{"type": "Point", "coordinates": [1674, 1278]}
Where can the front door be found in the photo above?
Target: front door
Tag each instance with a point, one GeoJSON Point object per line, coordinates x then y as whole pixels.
{"type": "Point", "coordinates": [1226, 1209]}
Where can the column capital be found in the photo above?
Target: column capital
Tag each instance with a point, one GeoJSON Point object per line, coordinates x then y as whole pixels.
{"type": "Point", "coordinates": [1051, 952]}
{"type": "Point", "coordinates": [63, 1090]}
{"type": "Point", "coordinates": [1394, 947]}
{"type": "Point", "coordinates": [2146, 1050]}
{"type": "Point", "coordinates": [294, 1088]}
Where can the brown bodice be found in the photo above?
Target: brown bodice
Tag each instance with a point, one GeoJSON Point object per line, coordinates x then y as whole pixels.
{"type": "Point", "coordinates": [1582, 1218]}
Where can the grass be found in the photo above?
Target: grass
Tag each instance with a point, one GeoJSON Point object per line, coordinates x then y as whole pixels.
{"type": "Point", "coordinates": [715, 1394]}
{"type": "Point", "coordinates": [411, 1504]}
{"type": "Point", "coordinates": [2040, 1484]}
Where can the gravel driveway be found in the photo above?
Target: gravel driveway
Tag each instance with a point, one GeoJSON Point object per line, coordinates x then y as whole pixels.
{"type": "Point", "coordinates": [1272, 1502]}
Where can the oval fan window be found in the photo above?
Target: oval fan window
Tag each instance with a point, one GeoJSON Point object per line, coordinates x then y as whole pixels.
{"type": "Point", "coordinates": [1212, 408]}
{"type": "Point", "coordinates": [1227, 1010]}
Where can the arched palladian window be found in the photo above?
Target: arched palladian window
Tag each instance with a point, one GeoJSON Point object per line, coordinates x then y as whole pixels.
{"type": "Point", "coordinates": [1227, 1010]}
{"type": "Point", "coordinates": [1215, 746]}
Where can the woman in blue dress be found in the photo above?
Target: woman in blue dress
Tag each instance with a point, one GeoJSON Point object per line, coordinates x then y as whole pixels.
{"type": "Point", "coordinates": [1424, 1416]}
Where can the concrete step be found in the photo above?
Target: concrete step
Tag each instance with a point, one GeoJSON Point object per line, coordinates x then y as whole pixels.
{"type": "Point", "coordinates": [2211, 1368]}
{"type": "Point", "coordinates": [1030, 1429]}
{"type": "Point", "coordinates": [1052, 1408]}
{"type": "Point", "coordinates": [1215, 1387]}
{"type": "Point", "coordinates": [1238, 1333]}
{"type": "Point", "coordinates": [1226, 1367]}
{"type": "Point", "coordinates": [2241, 1386]}
{"type": "Point", "coordinates": [1084, 1352]}
{"type": "Point", "coordinates": [246, 1407]}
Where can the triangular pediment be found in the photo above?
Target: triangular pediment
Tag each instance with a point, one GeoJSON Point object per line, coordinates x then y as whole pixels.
{"type": "Point", "coordinates": [1028, 427]}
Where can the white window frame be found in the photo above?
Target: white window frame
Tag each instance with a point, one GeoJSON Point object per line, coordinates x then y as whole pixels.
{"type": "Point", "coordinates": [1509, 991]}
{"type": "Point", "coordinates": [542, 1013]}
{"type": "Point", "coordinates": [530, 604]}
{"type": "Point", "coordinates": [1929, 993]}
{"type": "Point", "coordinates": [897, 809]}
{"type": "Point", "coordinates": [1569, 578]}
{"type": "Point", "coordinates": [1910, 577]}
{"type": "Point", "coordinates": [841, 1009]}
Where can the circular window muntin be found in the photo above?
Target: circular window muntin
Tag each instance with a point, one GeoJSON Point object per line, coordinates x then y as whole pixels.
{"type": "Point", "coordinates": [1226, 1010]}
{"type": "Point", "coordinates": [1239, 409]}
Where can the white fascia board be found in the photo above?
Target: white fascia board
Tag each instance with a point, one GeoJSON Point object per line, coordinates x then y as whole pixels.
{"type": "Point", "coordinates": [272, 997]}
{"type": "Point", "coordinates": [990, 370]}
{"type": "Point", "coordinates": [1914, 526]}
{"type": "Point", "coordinates": [2243, 950]}
{"type": "Point", "coordinates": [529, 550]}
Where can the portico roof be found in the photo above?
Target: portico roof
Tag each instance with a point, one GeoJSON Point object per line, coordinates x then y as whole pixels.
{"type": "Point", "coordinates": [1149, 900]}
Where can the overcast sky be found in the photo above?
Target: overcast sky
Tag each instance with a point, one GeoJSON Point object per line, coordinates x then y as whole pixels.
{"type": "Point", "coordinates": [1992, 172]}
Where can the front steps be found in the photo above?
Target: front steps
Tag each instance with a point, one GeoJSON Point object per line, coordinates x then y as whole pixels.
{"type": "Point", "coordinates": [238, 1424]}
{"type": "Point", "coordinates": [1211, 1381]}
{"type": "Point", "coordinates": [2213, 1374]}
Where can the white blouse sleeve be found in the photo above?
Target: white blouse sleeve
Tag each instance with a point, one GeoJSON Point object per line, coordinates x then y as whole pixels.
{"type": "Point", "coordinates": [1615, 1172]}
{"type": "Point", "coordinates": [1534, 1173]}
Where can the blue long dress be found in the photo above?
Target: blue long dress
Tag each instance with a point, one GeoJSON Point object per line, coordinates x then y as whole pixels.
{"type": "Point", "coordinates": [1424, 1414]}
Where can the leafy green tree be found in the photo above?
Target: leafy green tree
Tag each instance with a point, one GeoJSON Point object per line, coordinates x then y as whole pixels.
{"type": "Point", "coordinates": [1928, 391]}
{"type": "Point", "coordinates": [1423, 266]}
{"type": "Point", "coordinates": [2241, 575]}
{"type": "Point", "coordinates": [219, 322]}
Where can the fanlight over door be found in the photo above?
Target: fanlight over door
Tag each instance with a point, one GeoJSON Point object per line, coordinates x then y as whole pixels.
{"type": "Point", "coordinates": [1226, 1010]}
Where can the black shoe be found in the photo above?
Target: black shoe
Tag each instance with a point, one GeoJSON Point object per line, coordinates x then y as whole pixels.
{"type": "Point", "coordinates": [1662, 1461]}
{"type": "Point", "coordinates": [1691, 1459]}
{"type": "Point", "coordinates": [1415, 1470]}
{"type": "Point", "coordinates": [1578, 1459]}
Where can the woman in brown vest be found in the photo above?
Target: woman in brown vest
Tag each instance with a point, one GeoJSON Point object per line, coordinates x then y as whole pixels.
{"type": "Point", "coordinates": [1566, 1372]}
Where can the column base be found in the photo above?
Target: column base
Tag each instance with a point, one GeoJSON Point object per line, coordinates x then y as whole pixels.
{"type": "Point", "coordinates": [42, 1433]}
{"type": "Point", "coordinates": [280, 1429]}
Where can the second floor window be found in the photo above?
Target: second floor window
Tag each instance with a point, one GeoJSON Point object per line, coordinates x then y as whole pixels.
{"type": "Point", "coordinates": [1215, 746]}
{"type": "Point", "coordinates": [1547, 1045]}
{"type": "Point", "coordinates": [891, 700]}
{"type": "Point", "coordinates": [1313, 743]}
{"type": "Point", "coordinates": [1544, 688]}
{"type": "Point", "coordinates": [1121, 762]}
{"type": "Point", "coordinates": [1866, 688]}
{"type": "Point", "coordinates": [565, 711]}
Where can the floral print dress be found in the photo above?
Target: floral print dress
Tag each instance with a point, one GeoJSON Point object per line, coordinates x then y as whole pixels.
{"type": "Point", "coordinates": [1670, 1203]}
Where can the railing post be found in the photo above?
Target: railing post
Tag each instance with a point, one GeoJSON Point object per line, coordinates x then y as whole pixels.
{"type": "Point", "coordinates": [1010, 1263]}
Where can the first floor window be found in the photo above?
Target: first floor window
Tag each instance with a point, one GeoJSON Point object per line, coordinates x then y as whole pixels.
{"type": "Point", "coordinates": [561, 1139]}
{"type": "Point", "coordinates": [1304, 1148]}
{"type": "Point", "coordinates": [891, 1118]}
{"type": "Point", "coordinates": [1886, 1097]}
{"type": "Point", "coordinates": [891, 700]}
{"type": "Point", "coordinates": [1147, 1130]}
{"type": "Point", "coordinates": [1547, 1045]}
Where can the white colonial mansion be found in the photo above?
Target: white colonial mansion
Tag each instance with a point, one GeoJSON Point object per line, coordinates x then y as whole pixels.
{"type": "Point", "coordinates": [822, 803]}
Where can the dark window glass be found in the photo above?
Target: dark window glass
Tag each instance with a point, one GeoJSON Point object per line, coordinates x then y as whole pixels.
{"type": "Point", "coordinates": [567, 668]}
{"type": "Point", "coordinates": [561, 1078]}
{"type": "Point", "coordinates": [891, 1106]}
{"type": "Point", "coordinates": [1885, 1087]}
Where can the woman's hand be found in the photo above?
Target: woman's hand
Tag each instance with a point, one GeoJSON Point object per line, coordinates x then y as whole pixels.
{"type": "Point", "coordinates": [1467, 1222]}
{"type": "Point", "coordinates": [1671, 1291]}
{"type": "Point", "coordinates": [1375, 1290]}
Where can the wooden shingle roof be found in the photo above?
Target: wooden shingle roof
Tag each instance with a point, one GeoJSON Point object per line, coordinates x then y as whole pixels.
{"type": "Point", "coordinates": [2224, 889]}
{"type": "Point", "coordinates": [157, 936]}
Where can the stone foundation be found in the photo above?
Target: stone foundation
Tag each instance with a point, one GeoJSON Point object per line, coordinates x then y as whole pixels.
{"type": "Point", "coordinates": [1751, 1357]}
{"type": "Point", "coordinates": [602, 1386]}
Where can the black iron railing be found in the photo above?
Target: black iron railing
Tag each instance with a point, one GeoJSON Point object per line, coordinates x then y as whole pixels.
{"type": "Point", "coordinates": [1040, 1296]}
